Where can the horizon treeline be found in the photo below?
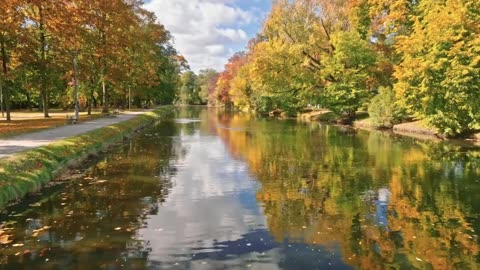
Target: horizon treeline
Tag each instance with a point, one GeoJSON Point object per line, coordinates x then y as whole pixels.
{"type": "Point", "coordinates": [398, 59]}
{"type": "Point", "coordinates": [124, 56]}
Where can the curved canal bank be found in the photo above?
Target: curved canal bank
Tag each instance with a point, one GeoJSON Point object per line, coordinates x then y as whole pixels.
{"type": "Point", "coordinates": [29, 171]}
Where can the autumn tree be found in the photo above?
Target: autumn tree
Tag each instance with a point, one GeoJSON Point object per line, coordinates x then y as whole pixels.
{"type": "Point", "coordinates": [224, 81]}
{"type": "Point", "coordinates": [439, 76]}
{"type": "Point", "coordinates": [241, 89]}
{"type": "Point", "coordinates": [41, 41]}
{"type": "Point", "coordinates": [308, 53]}
{"type": "Point", "coordinates": [9, 31]}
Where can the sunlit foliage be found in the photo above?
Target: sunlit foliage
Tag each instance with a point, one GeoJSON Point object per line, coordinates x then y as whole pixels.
{"type": "Point", "coordinates": [337, 54]}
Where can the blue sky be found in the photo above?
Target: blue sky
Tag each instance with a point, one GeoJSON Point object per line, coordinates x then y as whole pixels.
{"type": "Point", "coordinates": [208, 32]}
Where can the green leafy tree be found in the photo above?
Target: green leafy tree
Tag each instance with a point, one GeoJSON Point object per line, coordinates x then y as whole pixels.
{"type": "Point", "coordinates": [190, 89]}
{"type": "Point", "coordinates": [383, 110]}
{"type": "Point", "coordinates": [347, 73]}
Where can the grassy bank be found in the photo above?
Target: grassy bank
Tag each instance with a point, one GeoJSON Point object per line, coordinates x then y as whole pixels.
{"type": "Point", "coordinates": [29, 171]}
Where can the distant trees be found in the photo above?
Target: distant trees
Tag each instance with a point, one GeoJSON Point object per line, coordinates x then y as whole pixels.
{"type": "Point", "coordinates": [190, 89]}
{"type": "Point", "coordinates": [198, 89]}
{"type": "Point", "coordinates": [124, 56]}
{"type": "Point", "coordinates": [207, 80]}
{"type": "Point", "coordinates": [340, 53]}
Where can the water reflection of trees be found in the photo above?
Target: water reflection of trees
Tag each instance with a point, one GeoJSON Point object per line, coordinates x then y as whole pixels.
{"type": "Point", "coordinates": [91, 224]}
{"type": "Point", "coordinates": [389, 201]}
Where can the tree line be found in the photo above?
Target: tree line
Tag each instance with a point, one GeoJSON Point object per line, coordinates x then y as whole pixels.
{"type": "Point", "coordinates": [123, 56]}
{"type": "Point", "coordinates": [397, 59]}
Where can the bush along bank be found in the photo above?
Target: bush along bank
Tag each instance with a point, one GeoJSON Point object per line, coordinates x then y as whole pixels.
{"type": "Point", "coordinates": [29, 171]}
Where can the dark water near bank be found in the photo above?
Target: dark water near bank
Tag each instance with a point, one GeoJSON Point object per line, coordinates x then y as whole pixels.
{"type": "Point", "coordinates": [210, 190]}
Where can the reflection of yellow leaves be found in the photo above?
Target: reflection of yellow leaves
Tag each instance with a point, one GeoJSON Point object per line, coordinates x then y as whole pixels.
{"type": "Point", "coordinates": [413, 156]}
{"type": "Point", "coordinates": [102, 165]}
{"type": "Point", "coordinates": [35, 233]}
{"type": "Point", "coordinates": [5, 239]}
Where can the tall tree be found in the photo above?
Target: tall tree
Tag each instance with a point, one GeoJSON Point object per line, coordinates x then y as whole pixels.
{"type": "Point", "coordinates": [41, 42]}
{"type": "Point", "coordinates": [9, 31]}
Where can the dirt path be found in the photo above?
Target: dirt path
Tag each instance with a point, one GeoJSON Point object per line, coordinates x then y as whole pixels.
{"type": "Point", "coordinates": [28, 141]}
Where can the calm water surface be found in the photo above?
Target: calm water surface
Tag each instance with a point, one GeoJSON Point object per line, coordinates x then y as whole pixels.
{"type": "Point", "coordinates": [209, 190]}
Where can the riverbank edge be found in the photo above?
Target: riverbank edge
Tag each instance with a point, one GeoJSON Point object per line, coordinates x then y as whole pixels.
{"type": "Point", "coordinates": [408, 129]}
{"type": "Point", "coordinates": [28, 172]}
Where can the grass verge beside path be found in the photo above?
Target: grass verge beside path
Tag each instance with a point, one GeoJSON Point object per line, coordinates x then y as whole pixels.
{"type": "Point", "coordinates": [29, 171]}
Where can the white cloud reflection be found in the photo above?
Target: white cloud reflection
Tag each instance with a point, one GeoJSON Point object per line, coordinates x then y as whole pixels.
{"type": "Point", "coordinates": [212, 200]}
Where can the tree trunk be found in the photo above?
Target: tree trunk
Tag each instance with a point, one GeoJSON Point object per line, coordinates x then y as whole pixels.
{"type": "Point", "coordinates": [5, 90]}
{"type": "Point", "coordinates": [43, 75]}
{"type": "Point", "coordinates": [103, 62]}
{"type": "Point", "coordinates": [1, 98]}
{"type": "Point", "coordinates": [89, 106]}
{"type": "Point", "coordinates": [29, 101]}
{"type": "Point", "coordinates": [347, 118]}
{"type": "Point", "coordinates": [75, 72]}
{"type": "Point", "coordinates": [129, 99]}
{"type": "Point", "coordinates": [44, 97]}
{"type": "Point", "coordinates": [91, 98]}
{"type": "Point", "coordinates": [105, 98]}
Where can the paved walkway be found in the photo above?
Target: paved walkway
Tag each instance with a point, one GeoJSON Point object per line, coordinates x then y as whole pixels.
{"type": "Point", "coordinates": [32, 140]}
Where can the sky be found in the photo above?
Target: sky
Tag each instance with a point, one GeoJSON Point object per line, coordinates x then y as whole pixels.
{"type": "Point", "coordinates": [208, 32]}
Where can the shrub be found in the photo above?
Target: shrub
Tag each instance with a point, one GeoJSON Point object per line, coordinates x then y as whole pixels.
{"type": "Point", "coordinates": [382, 110]}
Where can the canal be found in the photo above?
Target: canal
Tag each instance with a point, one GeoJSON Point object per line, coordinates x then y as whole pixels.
{"type": "Point", "coordinates": [214, 190]}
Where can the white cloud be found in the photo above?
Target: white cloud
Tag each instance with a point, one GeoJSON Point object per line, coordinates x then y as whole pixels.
{"type": "Point", "coordinates": [233, 34]}
{"type": "Point", "coordinates": [203, 30]}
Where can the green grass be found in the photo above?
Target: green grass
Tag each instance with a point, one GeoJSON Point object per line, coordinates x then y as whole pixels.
{"type": "Point", "coordinates": [29, 171]}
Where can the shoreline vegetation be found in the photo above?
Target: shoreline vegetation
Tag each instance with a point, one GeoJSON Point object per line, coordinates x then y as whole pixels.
{"type": "Point", "coordinates": [28, 172]}
{"type": "Point", "coordinates": [416, 128]}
